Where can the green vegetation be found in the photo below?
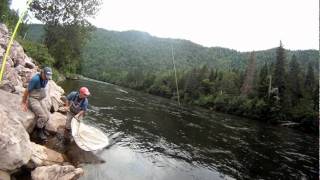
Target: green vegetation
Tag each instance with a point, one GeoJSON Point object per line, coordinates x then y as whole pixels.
{"type": "Point", "coordinates": [275, 85]}
{"type": "Point", "coordinates": [215, 78]}
{"type": "Point", "coordinates": [66, 29]}
{"type": "Point", "coordinates": [37, 51]}
{"type": "Point", "coordinates": [8, 16]}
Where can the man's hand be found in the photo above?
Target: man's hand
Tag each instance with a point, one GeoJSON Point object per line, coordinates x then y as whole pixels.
{"type": "Point", "coordinates": [24, 106]}
{"type": "Point", "coordinates": [79, 116]}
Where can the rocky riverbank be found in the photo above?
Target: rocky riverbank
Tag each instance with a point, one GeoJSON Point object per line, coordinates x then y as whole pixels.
{"type": "Point", "coordinates": [19, 152]}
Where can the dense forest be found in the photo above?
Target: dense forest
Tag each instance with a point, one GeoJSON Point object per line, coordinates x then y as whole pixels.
{"type": "Point", "coordinates": [276, 85]}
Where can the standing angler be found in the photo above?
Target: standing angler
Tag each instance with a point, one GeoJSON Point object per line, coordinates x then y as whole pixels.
{"type": "Point", "coordinates": [35, 93]}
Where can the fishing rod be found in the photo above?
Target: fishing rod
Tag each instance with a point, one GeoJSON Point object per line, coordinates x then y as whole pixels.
{"type": "Point", "coordinates": [175, 74]}
{"type": "Point", "coordinates": [11, 39]}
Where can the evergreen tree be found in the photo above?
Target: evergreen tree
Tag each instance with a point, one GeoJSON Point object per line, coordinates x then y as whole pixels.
{"type": "Point", "coordinates": [294, 81]}
{"type": "Point", "coordinates": [310, 79]}
{"type": "Point", "coordinates": [280, 73]}
{"type": "Point", "coordinates": [212, 75]}
{"type": "Point", "coordinates": [247, 85]}
{"type": "Point", "coordinates": [263, 82]}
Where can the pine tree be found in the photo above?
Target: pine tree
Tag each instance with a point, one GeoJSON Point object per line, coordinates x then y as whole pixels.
{"type": "Point", "coordinates": [263, 82]}
{"type": "Point", "coordinates": [280, 73]}
{"type": "Point", "coordinates": [247, 85]}
{"type": "Point", "coordinates": [294, 81]}
{"type": "Point", "coordinates": [212, 76]}
{"type": "Point", "coordinates": [310, 79]}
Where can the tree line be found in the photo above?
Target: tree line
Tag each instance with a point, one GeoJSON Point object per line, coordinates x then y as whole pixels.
{"type": "Point", "coordinates": [275, 85]}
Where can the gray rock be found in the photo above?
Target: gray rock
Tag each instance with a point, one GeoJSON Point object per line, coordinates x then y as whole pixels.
{"type": "Point", "coordinates": [15, 147]}
{"type": "Point", "coordinates": [12, 106]}
{"type": "Point", "coordinates": [57, 172]}
{"type": "Point", "coordinates": [7, 86]}
{"type": "Point", "coordinates": [57, 121]}
{"type": "Point", "coordinates": [42, 156]}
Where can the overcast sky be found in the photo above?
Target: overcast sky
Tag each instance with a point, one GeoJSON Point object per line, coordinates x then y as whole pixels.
{"type": "Point", "coordinates": [243, 25]}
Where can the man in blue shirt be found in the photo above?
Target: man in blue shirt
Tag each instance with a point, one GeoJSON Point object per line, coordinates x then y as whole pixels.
{"type": "Point", "coordinates": [78, 105]}
{"type": "Point", "coordinates": [33, 97]}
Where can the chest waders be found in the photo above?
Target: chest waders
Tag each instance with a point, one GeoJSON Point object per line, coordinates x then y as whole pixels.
{"type": "Point", "coordinates": [38, 106]}
{"type": "Point", "coordinates": [75, 108]}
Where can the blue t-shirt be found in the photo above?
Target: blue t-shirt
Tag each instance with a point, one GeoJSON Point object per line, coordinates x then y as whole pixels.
{"type": "Point", "coordinates": [74, 96]}
{"type": "Point", "coordinates": [36, 83]}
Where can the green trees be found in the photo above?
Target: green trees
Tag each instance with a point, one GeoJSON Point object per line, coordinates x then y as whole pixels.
{"type": "Point", "coordinates": [214, 78]}
{"type": "Point", "coordinates": [8, 16]}
{"type": "Point", "coordinates": [294, 81]}
{"type": "Point", "coordinates": [280, 73]}
{"type": "Point", "coordinates": [247, 86]}
{"type": "Point", "coordinates": [66, 29]}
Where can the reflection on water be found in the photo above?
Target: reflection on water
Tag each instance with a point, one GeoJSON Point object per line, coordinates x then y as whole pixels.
{"type": "Point", "coordinates": [159, 140]}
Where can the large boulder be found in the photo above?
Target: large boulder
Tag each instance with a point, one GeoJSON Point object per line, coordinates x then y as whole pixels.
{"type": "Point", "coordinates": [57, 121]}
{"type": "Point", "coordinates": [56, 172]}
{"type": "Point", "coordinates": [12, 105]}
{"type": "Point", "coordinates": [42, 156]}
{"type": "Point", "coordinates": [15, 146]}
{"type": "Point", "coordinates": [53, 100]}
{"type": "Point", "coordinates": [25, 73]}
{"type": "Point", "coordinates": [19, 67]}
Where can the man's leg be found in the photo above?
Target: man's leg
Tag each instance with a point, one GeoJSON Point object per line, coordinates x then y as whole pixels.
{"type": "Point", "coordinates": [42, 116]}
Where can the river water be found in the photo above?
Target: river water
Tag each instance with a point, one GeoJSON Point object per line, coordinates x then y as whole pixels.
{"type": "Point", "coordinates": [157, 139]}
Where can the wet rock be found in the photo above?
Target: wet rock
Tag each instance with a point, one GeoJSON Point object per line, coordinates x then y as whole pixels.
{"type": "Point", "coordinates": [12, 105]}
{"type": "Point", "coordinates": [4, 175]}
{"type": "Point", "coordinates": [42, 156]}
{"type": "Point", "coordinates": [57, 121]}
{"type": "Point", "coordinates": [78, 156]}
{"type": "Point", "coordinates": [15, 144]}
{"type": "Point", "coordinates": [56, 172]}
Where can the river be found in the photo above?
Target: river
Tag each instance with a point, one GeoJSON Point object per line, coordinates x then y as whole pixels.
{"type": "Point", "coordinates": [160, 140]}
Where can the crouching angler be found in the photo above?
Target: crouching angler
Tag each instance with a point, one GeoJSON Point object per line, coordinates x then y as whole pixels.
{"type": "Point", "coordinates": [33, 98]}
{"type": "Point", "coordinates": [77, 103]}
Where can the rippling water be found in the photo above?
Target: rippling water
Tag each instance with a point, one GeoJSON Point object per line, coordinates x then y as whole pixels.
{"type": "Point", "coordinates": [160, 140]}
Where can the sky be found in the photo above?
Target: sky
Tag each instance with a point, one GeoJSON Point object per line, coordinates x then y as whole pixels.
{"type": "Point", "coordinates": [243, 25]}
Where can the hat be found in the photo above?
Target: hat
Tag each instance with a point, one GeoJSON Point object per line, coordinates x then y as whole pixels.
{"type": "Point", "coordinates": [47, 72]}
{"type": "Point", "coordinates": [85, 91]}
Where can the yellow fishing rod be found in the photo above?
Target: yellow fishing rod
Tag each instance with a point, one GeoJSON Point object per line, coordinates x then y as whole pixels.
{"type": "Point", "coordinates": [11, 39]}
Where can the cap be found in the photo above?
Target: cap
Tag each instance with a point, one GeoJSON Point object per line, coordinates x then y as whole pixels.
{"type": "Point", "coordinates": [47, 72]}
{"type": "Point", "coordinates": [85, 91]}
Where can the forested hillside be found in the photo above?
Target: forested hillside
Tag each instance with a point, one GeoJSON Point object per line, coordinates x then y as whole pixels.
{"type": "Point", "coordinates": [275, 85]}
{"type": "Point", "coordinates": [117, 53]}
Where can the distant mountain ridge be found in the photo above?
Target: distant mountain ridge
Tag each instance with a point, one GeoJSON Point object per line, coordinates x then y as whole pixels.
{"type": "Point", "coordinates": [128, 50]}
